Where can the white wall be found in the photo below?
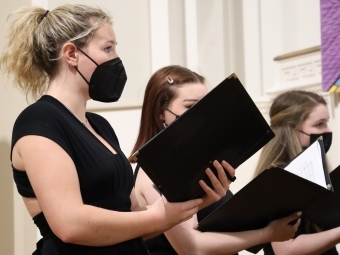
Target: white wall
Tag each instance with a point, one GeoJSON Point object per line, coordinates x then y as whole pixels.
{"type": "Point", "coordinates": [17, 231]}
{"type": "Point", "coordinates": [214, 38]}
{"type": "Point", "coordinates": [272, 28]}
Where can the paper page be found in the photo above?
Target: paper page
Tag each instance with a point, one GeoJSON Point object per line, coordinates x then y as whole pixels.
{"type": "Point", "coordinates": [309, 165]}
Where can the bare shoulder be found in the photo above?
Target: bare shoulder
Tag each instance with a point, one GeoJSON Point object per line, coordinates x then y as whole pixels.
{"type": "Point", "coordinates": [142, 180]}
{"type": "Point", "coordinates": [144, 188]}
{"type": "Point", "coordinates": [52, 175]}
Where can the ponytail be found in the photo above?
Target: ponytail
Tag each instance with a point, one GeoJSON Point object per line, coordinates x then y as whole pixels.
{"type": "Point", "coordinates": [36, 37]}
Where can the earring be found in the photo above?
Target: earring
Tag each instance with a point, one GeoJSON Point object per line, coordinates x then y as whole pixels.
{"type": "Point", "coordinates": [164, 124]}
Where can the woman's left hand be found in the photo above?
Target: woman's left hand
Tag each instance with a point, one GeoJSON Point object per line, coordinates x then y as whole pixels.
{"type": "Point", "coordinates": [220, 183]}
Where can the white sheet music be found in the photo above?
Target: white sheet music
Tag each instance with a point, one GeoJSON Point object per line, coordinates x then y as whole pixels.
{"type": "Point", "coordinates": [309, 165]}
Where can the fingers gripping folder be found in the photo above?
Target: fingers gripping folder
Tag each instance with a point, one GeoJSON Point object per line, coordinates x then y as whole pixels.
{"type": "Point", "coordinates": [215, 128]}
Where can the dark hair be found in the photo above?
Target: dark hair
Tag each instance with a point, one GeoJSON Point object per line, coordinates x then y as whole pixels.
{"type": "Point", "coordinates": [159, 92]}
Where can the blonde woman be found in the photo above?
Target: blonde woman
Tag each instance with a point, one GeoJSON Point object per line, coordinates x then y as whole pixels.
{"type": "Point", "coordinates": [67, 164]}
{"type": "Point", "coordinates": [298, 118]}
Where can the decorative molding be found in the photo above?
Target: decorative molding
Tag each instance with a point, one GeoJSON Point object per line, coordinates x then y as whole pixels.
{"type": "Point", "coordinates": [299, 70]}
{"type": "Point", "coordinates": [298, 53]}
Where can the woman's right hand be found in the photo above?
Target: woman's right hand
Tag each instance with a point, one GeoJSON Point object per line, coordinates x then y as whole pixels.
{"type": "Point", "coordinates": [220, 183]}
{"type": "Point", "coordinates": [282, 229]}
{"type": "Point", "coordinates": [170, 214]}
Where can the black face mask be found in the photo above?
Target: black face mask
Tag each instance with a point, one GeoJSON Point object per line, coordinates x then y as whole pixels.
{"type": "Point", "coordinates": [327, 139]}
{"type": "Point", "coordinates": [107, 81]}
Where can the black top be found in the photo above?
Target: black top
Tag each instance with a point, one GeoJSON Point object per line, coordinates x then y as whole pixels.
{"type": "Point", "coordinates": [159, 245]}
{"type": "Point", "coordinates": [105, 179]}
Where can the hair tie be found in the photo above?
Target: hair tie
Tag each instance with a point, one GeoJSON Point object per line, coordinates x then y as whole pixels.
{"type": "Point", "coordinates": [45, 14]}
{"type": "Point", "coordinates": [170, 80]}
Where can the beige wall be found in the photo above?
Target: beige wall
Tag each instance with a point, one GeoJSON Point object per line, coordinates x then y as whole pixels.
{"type": "Point", "coordinates": [17, 230]}
{"type": "Point", "coordinates": [214, 38]}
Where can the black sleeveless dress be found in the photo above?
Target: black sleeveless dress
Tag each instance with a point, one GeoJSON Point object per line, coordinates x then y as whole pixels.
{"type": "Point", "coordinates": [105, 179]}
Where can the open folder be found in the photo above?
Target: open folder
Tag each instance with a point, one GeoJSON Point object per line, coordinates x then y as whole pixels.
{"type": "Point", "coordinates": [327, 214]}
{"type": "Point", "coordinates": [224, 125]}
{"type": "Point", "coordinates": [302, 185]}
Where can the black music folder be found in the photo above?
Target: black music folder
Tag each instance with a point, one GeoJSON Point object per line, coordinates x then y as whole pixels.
{"type": "Point", "coordinates": [224, 125]}
{"type": "Point", "coordinates": [302, 185]}
{"type": "Point", "coordinates": [327, 214]}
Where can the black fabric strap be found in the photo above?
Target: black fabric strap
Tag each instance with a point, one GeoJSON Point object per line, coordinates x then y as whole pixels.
{"type": "Point", "coordinates": [38, 251]}
{"type": "Point", "coordinates": [135, 174]}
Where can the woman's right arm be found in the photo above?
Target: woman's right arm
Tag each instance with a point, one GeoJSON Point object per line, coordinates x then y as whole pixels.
{"type": "Point", "coordinates": [309, 244]}
{"type": "Point", "coordinates": [186, 240]}
{"type": "Point", "coordinates": [55, 182]}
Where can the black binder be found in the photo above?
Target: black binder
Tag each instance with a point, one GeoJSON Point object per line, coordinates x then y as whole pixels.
{"type": "Point", "coordinates": [273, 194]}
{"type": "Point", "coordinates": [327, 214]}
{"type": "Point", "coordinates": [224, 125]}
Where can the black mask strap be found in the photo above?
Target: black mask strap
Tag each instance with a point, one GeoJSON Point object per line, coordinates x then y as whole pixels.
{"type": "Point", "coordinates": [88, 56]}
{"type": "Point", "coordinates": [302, 132]}
{"type": "Point", "coordinates": [177, 116]}
{"type": "Point", "coordinates": [82, 75]}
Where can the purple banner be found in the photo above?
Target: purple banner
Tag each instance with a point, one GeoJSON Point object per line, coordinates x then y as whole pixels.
{"type": "Point", "coordinates": [330, 45]}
